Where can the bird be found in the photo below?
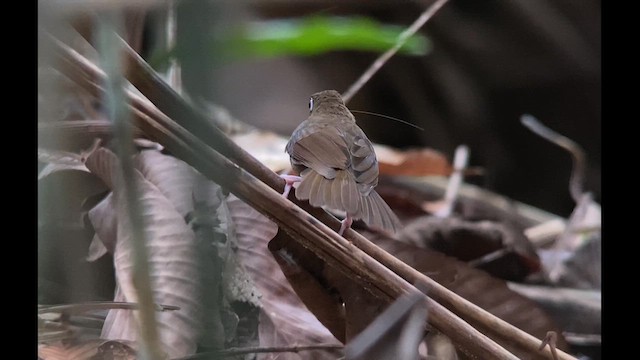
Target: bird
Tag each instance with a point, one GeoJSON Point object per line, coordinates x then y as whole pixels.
{"type": "Point", "coordinates": [337, 165]}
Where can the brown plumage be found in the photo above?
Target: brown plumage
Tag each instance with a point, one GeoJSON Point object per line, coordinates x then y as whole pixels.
{"type": "Point", "coordinates": [337, 163]}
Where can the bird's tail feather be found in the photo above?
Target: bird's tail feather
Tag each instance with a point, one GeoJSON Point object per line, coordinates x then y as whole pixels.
{"type": "Point", "coordinates": [341, 193]}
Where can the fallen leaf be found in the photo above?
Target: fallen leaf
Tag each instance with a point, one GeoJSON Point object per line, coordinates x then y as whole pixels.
{"type": "Point", "coordinates": [475, 285]}
{"type": "Point", "coordinates": [177, 181]}
{"type": "Point", "coordinates": [98, 349]}
{"type": "Point", "coordinates": [172, 259]}
{"type": "Point", "coordinates": [63, 351]}
{"type": "Point", "coordinates": [284, 319]}
{"type": "Point", "coordinates": [413, 162]}
{"type": "Point", "coordinates": [265, 146]}
{"type": "Point", "coordinates": [498, 248]}
{"type": "Point", "coordinates": [58, 160]}
{"type": "Point", "coordinates": [104, 219]}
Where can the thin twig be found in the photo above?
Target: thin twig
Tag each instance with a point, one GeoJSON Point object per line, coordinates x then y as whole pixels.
{"type": "Point", "coordinates": [96, 306]}
{"type": "Point", "coordinates": [460, 161]}
{"type": "Point", "coordinates": [489, 257]}
{"type": "Point", "coordinates": [78, 68]}
{"type": "Point", "coordinates": [550, 340]}
{"type": "Point", "coordinates": [402, 38]}
{"type": "Point", "coordinates": [577, 153]}
{"type": "Point", "coordinates": [71, 131]}
{"type": "Point", "coordinates": [255, 350]}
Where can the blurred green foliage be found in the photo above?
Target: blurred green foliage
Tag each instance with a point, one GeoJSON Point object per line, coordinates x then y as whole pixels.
{"type": "Point", "coordinates": [307, 37]}
{"type": "Point", "coordinates": [316, 35]}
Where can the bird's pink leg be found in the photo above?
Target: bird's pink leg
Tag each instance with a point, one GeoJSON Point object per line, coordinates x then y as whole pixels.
{"type": "Point", "coordinates": [345, 224]}
{"type": "Point", "coordinates": [290, 180]}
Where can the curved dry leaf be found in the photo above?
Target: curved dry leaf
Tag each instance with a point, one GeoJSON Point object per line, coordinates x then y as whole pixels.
{"type": "Point", "coordinates": [172, 260]}
{"type": "Point", "coordinates": [63, 351]}
{"type": "Point", "coordinates": [59, 160]}
{"type": "Point", "coordinates": [65, 178]}
{"type": "Point", "coordinates": [480, 288]}
{"type": "Point", "coordinates": [499, 248]}
{"type": "Point", "coordinates": [173, 268]}
{"type": "Point", "coordinates": [284, 320]}
{"type": "Point", "coordinates": [178, 181]}
{"type": "Point", "coordinates": [96, 249]}
{"type": "Point", "coordinates": [104, 219]}
{"type": "Point", "coordinates": [265, 146]}
{"type": "Point", "coordinates": [119, 324]}
{"type": "Point", "coordinates": [103, 163]}
{"type": "Point", "coordinates": [93, 349]}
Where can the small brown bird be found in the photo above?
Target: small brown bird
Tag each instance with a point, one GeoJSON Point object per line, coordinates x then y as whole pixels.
{"type": "Point", "coordinates": [337, 164]}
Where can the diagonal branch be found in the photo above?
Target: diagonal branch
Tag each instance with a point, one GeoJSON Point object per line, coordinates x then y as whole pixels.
{"type": "Point", "coordinates": [380, 61]}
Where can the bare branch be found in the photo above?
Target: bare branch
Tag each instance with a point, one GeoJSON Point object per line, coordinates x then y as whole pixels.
{"type": "Point", "coordinates": [577, 153]}
{"type": "Point", "coordinates": [460, 161]}
{"type": "Point", "coordinates": [380, 61]}
{"type": "Point", "coordinates": [96, 306]}
{"type": "Point", "coordinates": [550, 340]}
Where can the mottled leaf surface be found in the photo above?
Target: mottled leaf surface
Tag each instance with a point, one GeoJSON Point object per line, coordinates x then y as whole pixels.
{"type": "Point", "coordinates": [172, 255]}
{"type": "Point", "coordinates": [284, 320]}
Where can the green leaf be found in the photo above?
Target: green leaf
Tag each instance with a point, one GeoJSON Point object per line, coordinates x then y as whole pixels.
{"type": "Point", "coordinates": [317, 35]}
{"type": "Point", "coordinates": [305, 37]}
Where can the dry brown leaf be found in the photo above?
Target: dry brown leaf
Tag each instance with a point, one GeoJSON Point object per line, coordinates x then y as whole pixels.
{"type": "Point", "coordinates": [499, 248]}
{"type": "Point", "coordinates": [98, 349]}
{"type": "Point", "coordinates": [104, 219]}
{"type": "Point", "coordinates": [172, 258]}
{"type": "Point", "coordinates": [307, 275]}
{"type": "Point", "coordinates": [413, 162]}
{"type": "Point", "coordinates": [265, 146]}
{"type": "Point", "coordinates": [61, 351]}
{"type": "Point", "coordinates": [480, 288]}
{"type": "Point", "coordinates": [284, 320]}
{"type": "Point", "coordinates": [269, 147]}
{"type": "Point", "coordinates": [97, 249]}
{"type": "Point", "coordinates": [58, 160]}
{"type": "Point", "coordinates": [178, 181]}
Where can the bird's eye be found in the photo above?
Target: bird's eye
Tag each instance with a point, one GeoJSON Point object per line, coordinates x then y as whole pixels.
{"type": "Point", "coordinates": [310, 104]}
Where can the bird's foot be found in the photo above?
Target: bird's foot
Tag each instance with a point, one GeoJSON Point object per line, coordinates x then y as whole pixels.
{"type": "Point", "coordinates": [345, 224]}
{"type": "Point", "coordinates": [290, 180]}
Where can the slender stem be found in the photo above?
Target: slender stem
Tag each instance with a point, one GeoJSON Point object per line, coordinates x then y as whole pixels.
{"type": "Point", "coordinates": [577, 153]}
{"type": "Point", "coordinates": [460, 160]}
{"type": "Point", "coordinates": [402, 38]}
{"type": "Point", "coordinates": [115, 100]}
{"type": "Point", "coordinates": [96, 306]}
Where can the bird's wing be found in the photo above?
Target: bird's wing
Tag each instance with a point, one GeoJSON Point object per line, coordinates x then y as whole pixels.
{"type": "Point", "coordinates": [363, 161]}
{"type": "Point", "coordinates": [320, 147]}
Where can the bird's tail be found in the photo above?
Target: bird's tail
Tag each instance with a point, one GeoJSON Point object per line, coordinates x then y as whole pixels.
{"type": "Point", "coordinates": [341, 193]}
{"type": "Point", "coordinates": [375, 212]}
